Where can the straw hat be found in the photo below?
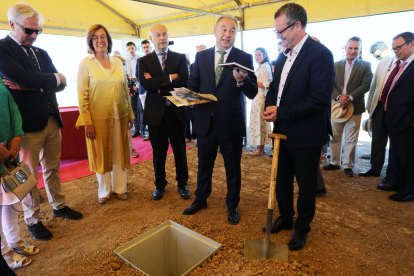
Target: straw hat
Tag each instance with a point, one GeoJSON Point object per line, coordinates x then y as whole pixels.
{"type": "Point", "coordinates": [367, 126]}
{"type": "Point", "coordinates": [339, 115]}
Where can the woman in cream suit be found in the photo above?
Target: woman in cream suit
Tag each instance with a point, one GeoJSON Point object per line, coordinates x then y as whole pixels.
{"type": "Point", "coordinates": [106, 114]}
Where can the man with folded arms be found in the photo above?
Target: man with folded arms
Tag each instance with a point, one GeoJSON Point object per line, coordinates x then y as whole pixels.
{"type": "Point", "coordinates": [352, 80]}
{"type": "Point", "coordinates": [221, 123]}
{"type": "Point", "coordinates": [33, 81]}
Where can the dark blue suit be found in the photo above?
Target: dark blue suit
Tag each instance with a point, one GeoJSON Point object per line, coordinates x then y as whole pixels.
{"type": "Point", "coordinates": [16, 66]}
{"type": "Point", "coordinates": [303, 116]}
{"type": "Point", "coordinates": [227, 126]}
{"type": "Point", "coordinates": [399, 118]}
{"type": "Point", "coordinates": [165, 122]}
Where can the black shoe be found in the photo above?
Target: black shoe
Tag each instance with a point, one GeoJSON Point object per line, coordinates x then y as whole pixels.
{"type": "Point", "coordinates": [184, 192]}
{"type": "Point", "coordinates": [135, 134]}
{"type": "Point", "coordinates": [401, 197]}
{"type": "Point", "coordinates": [349, 172]}
{"type": "Point", "coordinates": [158, 194]}
{"type": "Point", "coordinates": [321, 191]}
{"type": "Point", "coordinates": [369, 172]}
{"type": "Point", "coordinates": [298, 241]}
{"type": "Point", "coordinates": [388, 187]}
{"type": "Point", "coordinates": [233, 216]}
{"type": "Point", "coordinates": [366, 156]}
{"type": "Point", "coordinates": [386, 180]}
{"type": "Point", "coordinates": [67, 213]}
{"type": "Point", "coordinates": [39, 232]}
{"type": "Point", "coordinates": [331, 167]}
{"type": "Point", "coordinates": [280, 225]}
{"type": "Point", "coordinates": [195, 207]}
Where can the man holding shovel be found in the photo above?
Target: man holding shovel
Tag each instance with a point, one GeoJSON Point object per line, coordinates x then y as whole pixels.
{"type": "Point", "coordinates": [299, 102]}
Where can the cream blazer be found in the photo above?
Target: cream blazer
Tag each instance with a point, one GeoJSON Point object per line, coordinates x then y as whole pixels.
{"type": "Point", "coordinates": [377, 84]}
{"type": "Point", "coordinates": [98, 92]}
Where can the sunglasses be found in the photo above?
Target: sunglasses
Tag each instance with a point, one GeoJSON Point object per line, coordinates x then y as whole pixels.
{"type": "Point", "coordinates": [29, 31]}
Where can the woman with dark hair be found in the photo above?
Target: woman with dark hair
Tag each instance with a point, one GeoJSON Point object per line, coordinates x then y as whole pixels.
{"type": "Point", "coordinates": [105, 112]}
{"type": "Point", "coordinates": [259, 129]}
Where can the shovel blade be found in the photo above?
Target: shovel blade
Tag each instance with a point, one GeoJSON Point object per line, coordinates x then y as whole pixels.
{"type": "Point", "coordinates": [254, 249]}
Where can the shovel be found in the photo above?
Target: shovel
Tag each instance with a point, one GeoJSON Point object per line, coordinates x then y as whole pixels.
{"type": "Point", "coordinates": [254, 249]}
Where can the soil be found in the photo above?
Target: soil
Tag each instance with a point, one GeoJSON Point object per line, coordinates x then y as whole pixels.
{"type": "Point", "coordinates": [357, 230]}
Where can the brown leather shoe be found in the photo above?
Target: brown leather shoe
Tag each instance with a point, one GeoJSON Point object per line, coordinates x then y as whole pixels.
{"type": "Point", "coordinates": [146, 138]}
{"type": "Point", "coordinates": [103, 200]}
{"type": "Point", "coordinates": [121, 196]}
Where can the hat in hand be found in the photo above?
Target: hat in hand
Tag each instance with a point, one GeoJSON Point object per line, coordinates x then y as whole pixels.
{"type": "Point", "coordinates": [367, 126]}
{"type": "Point", "coordinates": [339, 115]}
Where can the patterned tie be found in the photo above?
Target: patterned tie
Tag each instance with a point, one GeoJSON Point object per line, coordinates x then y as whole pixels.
{"type": "Point", "coordinates": [163, 60]}
{"type": "Point", "coordinates": [219, 69]}
{"type": "Point", "coordinates": [393, 83]}
{"type": "Point", "coordinates": [389, 81]}
{"type": "Point", "coordinates": [32, 57]}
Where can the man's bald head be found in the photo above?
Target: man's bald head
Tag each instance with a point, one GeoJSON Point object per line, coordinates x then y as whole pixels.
{"type": "Point", "coordinates": [159, 37]}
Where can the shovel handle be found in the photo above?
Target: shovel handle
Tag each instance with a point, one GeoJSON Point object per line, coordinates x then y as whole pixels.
{"type": "Point", "coordinates": [275, 162]}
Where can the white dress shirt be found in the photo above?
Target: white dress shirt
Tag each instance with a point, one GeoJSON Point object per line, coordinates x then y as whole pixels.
{"type": "Point", "coordinates": [131, 65]}
{"type": "Point", "coordinates": [291, 57]}
{"type": "Point", "coordinates": [24, 49]}
{"type": "Point", "coordinates": [347, 74]}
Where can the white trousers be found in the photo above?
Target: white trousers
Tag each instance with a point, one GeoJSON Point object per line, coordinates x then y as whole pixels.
{"type": "Point", "coordinates": [350, 129]}
{"type": "Point", "coordinates": [9, 227]}
{"type": "Point", "coordinates": [117, 178]}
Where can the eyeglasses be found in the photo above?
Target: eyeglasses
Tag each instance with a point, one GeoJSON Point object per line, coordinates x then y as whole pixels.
{"type": "Point", "coordinates": [399, 47]}
{"type": "Point", "coordinates": [379, 55]}
{"type": "Point", "coordinates": [280, 32]}
{"type": "Point", "coordinates": [29, 31]}
{"type": "Point", "coordinates": [102, 37]}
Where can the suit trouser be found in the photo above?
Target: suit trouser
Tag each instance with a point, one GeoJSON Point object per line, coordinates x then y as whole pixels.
{"type": "Point", "coordinates": [231, 150]}
{"type": "Point", "coordinates": [319, 180]}
{"type": "Point", "coordinates": [402, 159]}
{"type": "Point", "coordinates": [45, 146]}
{"type": "Point", "coordinates": [170, 127]}
{"type": "Point", "coordinates": [351, 129]}
{"type": "Point", "coordinates": [116, 180]}
{"type": "Point", "coordinates": [138, 111]}
{"type": "Point", "coordinates": [379, 139]}
{"type": "Point", "coordinates": [302, 163]}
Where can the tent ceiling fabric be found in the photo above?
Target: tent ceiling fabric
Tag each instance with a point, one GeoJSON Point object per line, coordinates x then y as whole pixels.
{"type": "Point", "coordinates": [74, 17]}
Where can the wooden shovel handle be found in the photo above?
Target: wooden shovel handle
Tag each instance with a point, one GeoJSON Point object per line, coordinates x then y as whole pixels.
{"type": "Point", "coordinates": [275, 162]}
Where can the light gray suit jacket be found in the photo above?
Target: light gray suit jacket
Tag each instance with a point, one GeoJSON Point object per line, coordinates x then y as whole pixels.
{"type": "Point", "coordinates": [377, 84]}
{"type": "Point", "coordinates": [358, 83]}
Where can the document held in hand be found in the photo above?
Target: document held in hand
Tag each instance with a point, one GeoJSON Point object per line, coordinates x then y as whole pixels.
{"type": "Point", "coordinates": [235, 65]}
{"type": "Point", "coordinates": [184, 97]}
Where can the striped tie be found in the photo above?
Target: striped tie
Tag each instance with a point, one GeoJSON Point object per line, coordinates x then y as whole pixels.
{"type": "Point", "coordinates": [163, 60]}
{"type": "Point", "coordinates": [389, 81]}
{"type": "Point", "coordinates": [219, 69]}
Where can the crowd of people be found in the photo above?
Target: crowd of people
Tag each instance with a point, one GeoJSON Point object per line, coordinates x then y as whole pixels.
{"type": "Point", "coordinates": [308, 98]}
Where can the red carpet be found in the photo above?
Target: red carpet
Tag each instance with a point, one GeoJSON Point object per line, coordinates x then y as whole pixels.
{"type": "Point", "coordinates": [78, 168]}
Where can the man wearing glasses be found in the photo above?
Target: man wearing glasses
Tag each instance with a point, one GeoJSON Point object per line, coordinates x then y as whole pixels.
{"type": "Point", "coordinates": [299, 102]}
{"type": "Point", "coordinates": [380, 50]}
{"type": "Point", "coordinates": [33, 80]}
{"type": "Point", "coordinates": [397, 100]}
{"type": "Point", "coordinates": [376, 114]}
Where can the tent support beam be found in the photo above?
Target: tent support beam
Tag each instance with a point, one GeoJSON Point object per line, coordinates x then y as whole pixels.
{"type": "Point", "coordinates": [136, 28]}
{"type": "Point", "coordinates": [223, 10]}
{"type": "Point", "coordinates": [168, 5]}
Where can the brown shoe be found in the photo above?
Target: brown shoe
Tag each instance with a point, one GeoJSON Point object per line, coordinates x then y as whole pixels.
{"type": "Point", "coordinates": [146, 138]}
{"type": "Point", "coordinates": [121, 196]}
{"type": "Point", "coordinates": [103, 200]}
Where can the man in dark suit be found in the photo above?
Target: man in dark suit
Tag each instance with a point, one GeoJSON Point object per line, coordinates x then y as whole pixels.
{"type": "Point", "coordinates": [399, 117]}
{"type": "Point", "coordinates": [33, 81]}
{"type": "Point", "coordinates": [159, 73]}
{"type": "Point", "coordinates": [221, 123]}
{"type": "Point", "coordinates": [299, 101]}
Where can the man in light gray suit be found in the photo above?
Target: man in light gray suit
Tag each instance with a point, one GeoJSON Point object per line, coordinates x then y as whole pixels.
{"type": "Point", "coordinates": [352, 80]}
{"type": "Point", "coordinates": [376, 112]}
